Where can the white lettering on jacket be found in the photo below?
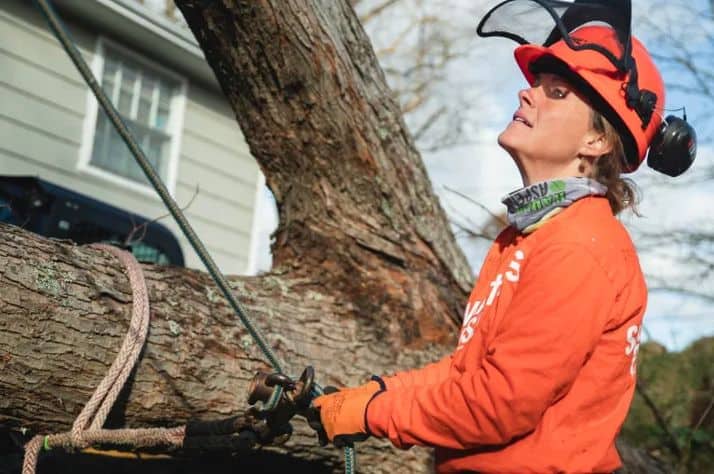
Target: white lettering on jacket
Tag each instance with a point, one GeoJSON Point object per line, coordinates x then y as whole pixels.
{"type": "Point", "coordinates": [474, 309]}
{"type": "Point", "coordinates": [633, 346]}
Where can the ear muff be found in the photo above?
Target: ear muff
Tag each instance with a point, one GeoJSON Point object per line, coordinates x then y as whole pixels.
{"type": "Point", "coordinates": [673, 148]}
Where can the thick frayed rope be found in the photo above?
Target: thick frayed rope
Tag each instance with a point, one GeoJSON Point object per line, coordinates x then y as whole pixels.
{"type": "Point", "coordinates": [87, 428]}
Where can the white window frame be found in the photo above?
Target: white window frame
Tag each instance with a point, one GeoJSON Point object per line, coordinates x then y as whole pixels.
{"type": "Point", "coordinates": [174, 127]}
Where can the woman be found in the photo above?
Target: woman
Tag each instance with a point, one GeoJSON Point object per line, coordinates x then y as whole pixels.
{"type": "Point", "coordinates": [544, 371]}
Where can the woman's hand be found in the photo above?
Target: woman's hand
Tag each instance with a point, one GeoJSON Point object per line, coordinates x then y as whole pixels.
{"type": "Point", "coordinates": [343, 413]}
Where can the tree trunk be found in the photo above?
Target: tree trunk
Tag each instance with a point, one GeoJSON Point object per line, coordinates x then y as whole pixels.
{"type": "Point", "coordinates": [66, 309]}
{"type": "Point", "coordinates": [367, 277]}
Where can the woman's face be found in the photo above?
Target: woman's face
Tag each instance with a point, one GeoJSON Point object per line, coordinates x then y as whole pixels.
{"type": "Point", "coordinates": [551, 128]}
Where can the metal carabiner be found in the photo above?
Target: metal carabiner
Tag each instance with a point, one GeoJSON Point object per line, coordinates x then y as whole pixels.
{"type": "Point", "coordinates": [271, 421]}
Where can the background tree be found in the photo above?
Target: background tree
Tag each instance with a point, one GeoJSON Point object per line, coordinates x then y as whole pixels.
{"type": "Point", "coordinates": [418, 44]}
{"type": "Point", "coordinates": [672, 414]}
{"type": "Point", "coordinates": [680, 36]}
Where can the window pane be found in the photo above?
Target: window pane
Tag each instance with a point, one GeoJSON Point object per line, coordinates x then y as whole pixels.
{"type": "Point", "coordinates": [110, 71]}
{"type": "Point", "coordinates": [162, 114]}
{"type": "Point", "coordinates": [117, 159]}
{"type": "Point", "coordinates": [143, 115]}
{"type": "Point", "coordinates": [101, 140]}
{"type": "Point", "coordinates": [126, 92]}
{"type": "Point", "coordinates": [159, 151]}
{"type": "Point", "coordinates": [162, 118]}
{"type": "Point", "coordinates": [165, 94]}
{"type": "Point", "coordinates": [110, 66]}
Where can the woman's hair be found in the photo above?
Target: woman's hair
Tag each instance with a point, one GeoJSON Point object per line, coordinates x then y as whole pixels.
{"type": "Point", "coordinates": [622, 193]}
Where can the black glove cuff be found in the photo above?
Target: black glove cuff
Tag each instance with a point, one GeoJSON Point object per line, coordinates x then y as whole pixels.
{"type": "Point", "coordinates": [379, 380]}
{"type": "Point", "coordinates": [383, 388]}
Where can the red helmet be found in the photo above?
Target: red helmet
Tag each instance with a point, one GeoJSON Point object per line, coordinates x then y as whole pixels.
{"type": "Point", "coordinates": [602, 83]}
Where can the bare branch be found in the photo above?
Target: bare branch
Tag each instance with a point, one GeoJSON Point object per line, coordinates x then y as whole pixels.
{"type": "Point", "coordinates": [393, 47]}
{"type": "Point", "coordinates": [130, 240]}
{"type": "Point", "coordinates": [705, 413]}
{"type": "Point", "coordinates": [376, 10]}
{"type": "Point", "coordinates": [416, 43]}
{"type": "Point", "coordinates": [495, 217]}
{"type": "Point", "coordinates": [671, 441]}
{"type": "Point", "coordinates": [472, 233]}
{"type": "Point", "coordinates": [683, 291]}
{"type": "Point", "coordinates": [429, 122]}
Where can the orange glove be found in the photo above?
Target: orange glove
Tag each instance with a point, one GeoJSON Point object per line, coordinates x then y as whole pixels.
{"type": "Point", "coordinates": [372, 387]}
{"type": "Point", "coordinates": [343, 413]}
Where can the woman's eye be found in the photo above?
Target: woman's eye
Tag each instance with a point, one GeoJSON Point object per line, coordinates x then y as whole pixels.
{"type": "Point", "coordinates": [559, 93]}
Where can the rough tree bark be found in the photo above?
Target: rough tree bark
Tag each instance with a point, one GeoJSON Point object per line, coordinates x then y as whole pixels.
{"type": "Point", "coordinates": [367, 277]}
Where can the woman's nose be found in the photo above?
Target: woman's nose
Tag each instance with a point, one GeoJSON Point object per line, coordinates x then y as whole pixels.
{"type": "Point", "coordinates": [524, 97]}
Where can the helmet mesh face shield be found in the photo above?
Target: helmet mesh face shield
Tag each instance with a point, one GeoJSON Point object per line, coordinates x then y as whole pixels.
{"type": "Point", "coordinates": [545, 22]}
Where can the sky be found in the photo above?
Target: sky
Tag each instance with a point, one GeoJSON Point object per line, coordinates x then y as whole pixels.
{"type": "Point", "coordinates": [484, 84]}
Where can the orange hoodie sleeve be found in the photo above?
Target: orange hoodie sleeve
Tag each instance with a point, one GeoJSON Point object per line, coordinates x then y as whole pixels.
{"type": "Point", "coordinates": [428, 375]}
{"type": "Point", "coordinates": [552, 324]}
{"type": "Point", "coordinates": [437, 372]}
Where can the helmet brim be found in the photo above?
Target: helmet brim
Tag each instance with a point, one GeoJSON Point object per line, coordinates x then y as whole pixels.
{"type": "Point", "coordinates": [526, 55]}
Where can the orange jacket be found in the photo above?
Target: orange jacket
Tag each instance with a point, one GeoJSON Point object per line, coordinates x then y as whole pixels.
{"type": "Point", "coordinates": [543, 374]}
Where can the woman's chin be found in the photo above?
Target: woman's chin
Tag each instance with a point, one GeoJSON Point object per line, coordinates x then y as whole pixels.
{"type": "Point", "coordinates": [505, 142]}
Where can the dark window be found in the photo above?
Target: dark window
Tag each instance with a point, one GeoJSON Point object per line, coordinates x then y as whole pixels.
{"type": "Point", "coordinates": [54, 211]}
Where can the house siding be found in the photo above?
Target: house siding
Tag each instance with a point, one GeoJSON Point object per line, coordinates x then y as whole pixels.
{"type": "Point", "coordinates": [43, 109]}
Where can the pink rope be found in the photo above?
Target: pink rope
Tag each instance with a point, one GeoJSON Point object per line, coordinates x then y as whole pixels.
{"type": "Point", "coordinates": [87, 427]}
{"type": "Point", "coordinates": [95, 412]}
